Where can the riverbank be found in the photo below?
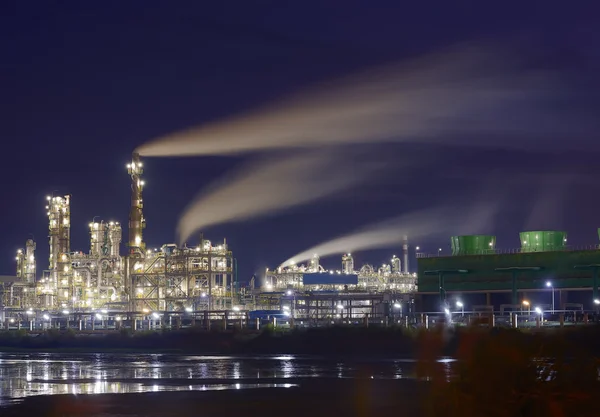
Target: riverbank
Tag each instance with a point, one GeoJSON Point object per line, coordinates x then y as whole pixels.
{"type": "Point", "coordinates": [393, 341]}
{"type": "Point", "coordinates": [318, 397]}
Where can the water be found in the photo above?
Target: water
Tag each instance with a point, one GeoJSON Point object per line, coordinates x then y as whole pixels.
{"type": "Point", "coordinates": [27, 374]}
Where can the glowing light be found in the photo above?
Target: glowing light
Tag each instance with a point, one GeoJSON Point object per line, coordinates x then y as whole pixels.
{"type": "Point", "coordinates": [538, 310]}
{"type": "Point", "coordinates": [459, 304]}
{"type": "Point", "coordinates": [46, 317]}
{"type": "Point", "coordinates": [236, 308]}
{"type": "Point", "coordinates": [189, 309]}
{"type": "Point", "coordinates": [66, 312]}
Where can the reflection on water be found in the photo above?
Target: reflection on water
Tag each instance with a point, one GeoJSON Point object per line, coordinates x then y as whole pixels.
{"type": "Point", "coordinates": [23, 375]}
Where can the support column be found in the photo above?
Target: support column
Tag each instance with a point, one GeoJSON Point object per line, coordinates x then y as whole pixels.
{"type": "Point", "coordinates": [442, 290]}
{"type": "Point", "coordinates": [594, 284]}
{"type": "Point", "coordinates": [515, 299]}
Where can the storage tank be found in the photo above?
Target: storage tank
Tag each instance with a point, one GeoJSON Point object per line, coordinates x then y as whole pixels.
{"type": "Point", "coordinates": [473, 244]}
{"type": "Point", "coordinates": [543, 241]}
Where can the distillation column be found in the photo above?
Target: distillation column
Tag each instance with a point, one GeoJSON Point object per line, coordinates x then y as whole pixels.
{"type": "Point", "coordinates": [136, 215]}
{"type": "Point", "coordinates": [29, 275]}
{"type": "Point", "coordinates": [347, 264]}
{"type": "Point", "coordinates": [405, 253]}
{"type": "Point", "coordinates": [59, 226]}
{"type": "Point", "coordinates": [20, 264]}
{"type": "Point", "coordinates": [137, 223]}
{"type": "Point", "coordinates": [114, 236]}
{"type": "Point", "coordinates": [315, 263]}
{"type": "Point", "coordinates": [396, 265]}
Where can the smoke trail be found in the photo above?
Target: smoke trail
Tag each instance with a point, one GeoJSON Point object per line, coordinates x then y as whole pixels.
{"type": "Point", "coordinates": [417, 225]}
{"type": "Point", "coordinates": [270, 185]}
{"type": "Point", "coordinates": [470, 95]}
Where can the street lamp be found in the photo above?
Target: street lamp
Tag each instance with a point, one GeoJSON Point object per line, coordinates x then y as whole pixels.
{"type": "Point", "coordinates": [538, 310]}
{"type": "Point", "coordinates": [462, 307]}
{"type": "Point", "coordinates": [549, 285]}
{"type": "Point", "coordinates": [526, 303]}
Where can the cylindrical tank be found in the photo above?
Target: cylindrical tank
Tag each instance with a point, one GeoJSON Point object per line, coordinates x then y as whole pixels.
{"type": "Point", "coordinates": [30, 261]}
{"type": "Point", "coordinates": [405, 253]}
{"type": "Point", "coordinates": [347, 264]}
{"type": "Point", "coordinates": [315, 262]}
{"type": "Point", "coordinates": [114, 234]}
{"type": "Point", "coordinates": [543, 241]}
{"type": "Point", "coordinates": [396, 264]}
{"type": "Point", "coordinates": [20, 264]}
{"type": "Point", "coordinates": [473, 244]}
{"type": "Point", "coordinates": [95, 239]}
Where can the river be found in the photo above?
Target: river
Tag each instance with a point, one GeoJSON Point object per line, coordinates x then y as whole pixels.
{"type": "Point", "coordinates": [29, 374]}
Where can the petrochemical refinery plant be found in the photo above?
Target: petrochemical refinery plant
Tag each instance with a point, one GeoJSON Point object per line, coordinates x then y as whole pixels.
{"type": "Point", "coordinates": [200, 282]}
{"type": "Point", "coordinates": [176, 280]}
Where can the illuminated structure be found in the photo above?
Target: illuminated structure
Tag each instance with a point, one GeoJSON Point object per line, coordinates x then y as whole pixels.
{"type": "Point", "coordinates": [388, 277]}
{"type": "Point", "coordinates": [180, 279]}
{"type": "Point", "coordinates": [166, 279]}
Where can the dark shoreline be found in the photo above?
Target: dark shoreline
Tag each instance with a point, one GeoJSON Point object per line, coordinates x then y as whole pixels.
{"type": "Point", "coordinates": [315, 397]}
{"type": "Point", "coordinates": [332, 341]}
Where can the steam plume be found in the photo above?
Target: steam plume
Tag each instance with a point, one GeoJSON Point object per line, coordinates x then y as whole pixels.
{"type": "Point", "coordinates": [470, 95]}
{"type": "Point", "coordinates": [417, 225]}
{"type": "Point", "coordinates": [270, 185]}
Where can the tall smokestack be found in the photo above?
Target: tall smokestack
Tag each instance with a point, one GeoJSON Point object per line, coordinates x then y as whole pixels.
{"type": "Point", "coordinates": [405, 253]}
{"type": "Point", "coordinates": [136, 215]}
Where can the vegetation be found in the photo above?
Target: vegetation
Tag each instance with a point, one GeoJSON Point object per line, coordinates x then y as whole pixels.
{"type": "Point", "coordinates": [508, 373]}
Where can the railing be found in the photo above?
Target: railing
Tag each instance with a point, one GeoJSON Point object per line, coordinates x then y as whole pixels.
{"type": "Point", "coordinates": [442, 254]}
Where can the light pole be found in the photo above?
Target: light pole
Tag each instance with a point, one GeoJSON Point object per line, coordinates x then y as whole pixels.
{"type": "Point", "coordinates": [292, 294]}
{"type": "Point", "coordinates": [398, 307]}
{"type": "Point", "coordinates": [540, 313]}
{"type": "Point", "coordinates": [462, 308]}
{"type": "Point", "coordinates": [526, 303]}
{"type": "Point", "coordinates": [549, 285]}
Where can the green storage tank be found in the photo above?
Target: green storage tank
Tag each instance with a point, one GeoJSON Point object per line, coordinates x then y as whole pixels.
{"type": "Point", "coordinates": [473, 245]}
{"type": "Point", "coordinates": [543, 241]}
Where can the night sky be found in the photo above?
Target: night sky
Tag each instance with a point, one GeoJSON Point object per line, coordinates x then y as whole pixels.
{"type": "Point", "coordinates": [84, 83]}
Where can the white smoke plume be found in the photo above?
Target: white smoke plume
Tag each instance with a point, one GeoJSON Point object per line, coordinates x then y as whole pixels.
{"type": "Point", "coordinates": [470, 95]}
{"type": "Point", "coordinates": [270, 185]}
{"type": "Point", "coordinates": [437, 222]}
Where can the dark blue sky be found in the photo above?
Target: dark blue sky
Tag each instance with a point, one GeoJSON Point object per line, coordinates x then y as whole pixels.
{"type": "Point", "coordinates": [84, 83]}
